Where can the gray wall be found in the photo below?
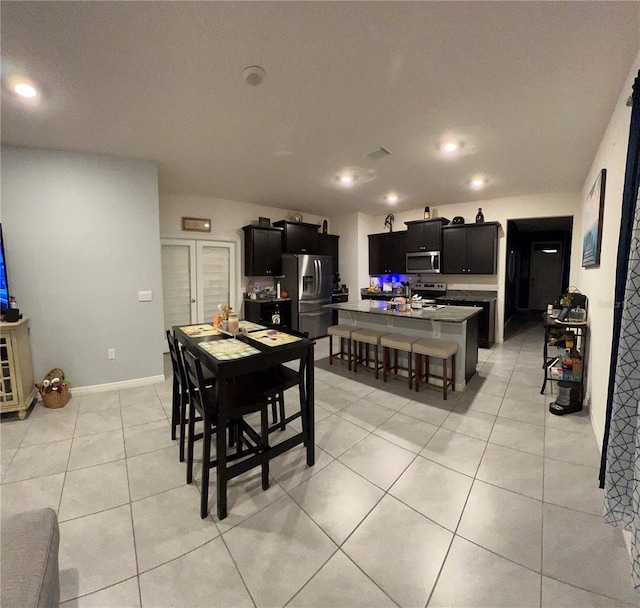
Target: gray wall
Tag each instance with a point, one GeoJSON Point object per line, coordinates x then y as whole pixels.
{"type": "Point", "coordinates": [82, 237]}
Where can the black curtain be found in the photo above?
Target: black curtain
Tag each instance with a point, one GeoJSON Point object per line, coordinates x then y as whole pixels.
{"type": "Point", "coordinates": [629, 197]}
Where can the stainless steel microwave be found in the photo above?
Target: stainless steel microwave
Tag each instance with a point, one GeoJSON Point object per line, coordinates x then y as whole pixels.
{"type": "Point", "coordinates": [423, 262]}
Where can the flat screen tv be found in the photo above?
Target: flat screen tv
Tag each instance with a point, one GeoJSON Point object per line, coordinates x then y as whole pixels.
{"type": "Point", "coordinates": [4, 288]}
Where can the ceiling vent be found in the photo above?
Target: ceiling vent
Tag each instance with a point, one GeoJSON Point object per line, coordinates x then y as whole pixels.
{"type": "Point", "coordinates": [379, 153]}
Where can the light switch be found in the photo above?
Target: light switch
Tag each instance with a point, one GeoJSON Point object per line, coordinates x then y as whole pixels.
{"type": "Point", "coordinates": [145, 296]}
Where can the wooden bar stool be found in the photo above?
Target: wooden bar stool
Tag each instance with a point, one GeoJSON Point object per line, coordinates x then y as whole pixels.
{"type": "Point", "coordinates": [366, 337]}
{"type": "Point", "coordinates": [344, 333]}
{"type": "Point", "coordinates": [440, 349]}
{"type": "Point", "coordinates": [397, 342]}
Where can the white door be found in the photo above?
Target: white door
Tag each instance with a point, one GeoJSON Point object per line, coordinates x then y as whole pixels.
{"type": "Point", "coordinates": [545, 277]}
{"type": "Point", "coordinates": [179, 282]}
{"type": "Point", "coordinates": [216, 282]}
{"type": "Point", "coordinates": [196, 277]}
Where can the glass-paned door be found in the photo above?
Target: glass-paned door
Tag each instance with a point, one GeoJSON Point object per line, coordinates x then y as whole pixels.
{"type": "Point", "coordinates": [196, 277]}
{"type": "Point", "coordinates": [179, 282]}
{"type": "Point", "coordinates": [215, 278]}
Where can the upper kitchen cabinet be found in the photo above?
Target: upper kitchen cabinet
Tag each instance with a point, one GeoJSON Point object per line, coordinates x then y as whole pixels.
{"type": "Point", "coordinates": [298, 237]}
{"type": "Point", "coordinates": [262, 251]}
{"type": "Point", "coordinates": [328, 245]}
{"type": "Point", "coordinates": [425, 235]}
{"type": "Point", "coordinates": [387, 253]}
{"type": "Point", "coordinates": [470, 248]}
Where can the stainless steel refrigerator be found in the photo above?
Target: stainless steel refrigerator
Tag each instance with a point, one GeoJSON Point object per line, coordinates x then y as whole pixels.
{"type": "Point", "coordinates": [307, 279]}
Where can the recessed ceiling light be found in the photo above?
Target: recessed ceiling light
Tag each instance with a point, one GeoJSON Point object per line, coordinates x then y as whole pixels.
{"type": "Point", "coordinates": [449, 146]}
{"type": "Point", "coordinates": [25, 90]}
{"type": "Point", "coordinates": [391, 198]}
{"type": "Point", "coordinates": [346, 179]}
{"type": "Point", "coordinates": [550, 250]}
{"type": "Point", "coordinates": [478, 182]}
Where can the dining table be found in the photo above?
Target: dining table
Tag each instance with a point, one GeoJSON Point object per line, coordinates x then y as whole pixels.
{"type": "Point", "coordinates": [254, 348]}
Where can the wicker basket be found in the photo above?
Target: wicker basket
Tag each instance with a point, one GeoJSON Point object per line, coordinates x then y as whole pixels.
{"type": "Point", "coordinates": [58, 398]}
{"type": "Point", "coordinates": [55, 394]}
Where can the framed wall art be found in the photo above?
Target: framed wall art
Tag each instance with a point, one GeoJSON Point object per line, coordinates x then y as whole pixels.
{"type": "Point", "coordinates": [592, 222]}
{"type": "Point", "coordinates": [196, 224]}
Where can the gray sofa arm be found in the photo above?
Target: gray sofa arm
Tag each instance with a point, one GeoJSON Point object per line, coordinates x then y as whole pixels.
{"type": "Point", "coordinates": [29, 560]}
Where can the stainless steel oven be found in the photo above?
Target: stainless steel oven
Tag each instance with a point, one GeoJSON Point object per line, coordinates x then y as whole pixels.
{"type": "Point", "coordinates": [423, 262]}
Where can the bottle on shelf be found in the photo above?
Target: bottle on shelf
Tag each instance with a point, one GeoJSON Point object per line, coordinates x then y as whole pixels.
{"type": "Point", "coordinates": [278, 290]}
{"type": "Point", "coordinates": [479, 216]}
{"type": "Point", "coordinates": [427, 213]}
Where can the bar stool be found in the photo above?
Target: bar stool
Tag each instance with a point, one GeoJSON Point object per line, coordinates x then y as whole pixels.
{"type": "Point", "coordinates": [366, 337]}
{"type": "Point", "coordinates": [344, 333]}
{"type": "Point", "coordinates": [397, 342]}
{"type": "Point", "coordinates": [440, 349]}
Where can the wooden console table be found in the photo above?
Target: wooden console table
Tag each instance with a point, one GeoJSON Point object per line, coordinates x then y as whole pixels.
{"type": "Point", "coordinates": [17, 390]}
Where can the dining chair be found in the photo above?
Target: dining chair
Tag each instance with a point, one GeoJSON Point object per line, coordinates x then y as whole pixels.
{"type": "Point", "coordinates": [180, 391]}
{"type": "Point", "coordinates": [245, 395]}
{"type": "Point", "coordinates": [285, 378]}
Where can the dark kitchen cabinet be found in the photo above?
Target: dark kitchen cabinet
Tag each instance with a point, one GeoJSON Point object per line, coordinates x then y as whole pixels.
{"type": "Point", "coordinates": [262, 251]}
{"type": "Point", "coordinates": [298, 237]}
{"type": "Point", "coordinates": [268, 312]}
{"type": "Point", "coordinates": [328, 245]}
{"type": "Point", "coordinates": [470, 249]}
{"type": "Point", "coordinates": [425, 235]}
{"type": "Point", "coordinates": [486, 319]}
{"type": "Point", "coordinates": [387, 253]}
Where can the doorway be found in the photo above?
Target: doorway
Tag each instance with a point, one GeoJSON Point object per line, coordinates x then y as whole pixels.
{"type": "Point", "coordinates": [538, 263]}
{"type": "Point", "coordinates": [197, 275]}
{"type": "Point", "coordinates": [545, 275]}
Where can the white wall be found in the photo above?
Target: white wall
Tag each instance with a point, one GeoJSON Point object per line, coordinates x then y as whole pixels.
{"type": "Point", "coordinates": [599, 282]}
{"type": "Point", "coordinates": [227, 218]}
{"type": "Point", "coordinates": [81, 237]}
{"type": "Point", "coordinates": [495, 210]}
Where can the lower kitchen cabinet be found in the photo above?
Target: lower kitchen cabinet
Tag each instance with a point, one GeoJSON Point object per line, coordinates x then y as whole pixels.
{"type": "Point", "coordinates": [486, 319]}
{"type": "Point", "coordinates": [268, 312]}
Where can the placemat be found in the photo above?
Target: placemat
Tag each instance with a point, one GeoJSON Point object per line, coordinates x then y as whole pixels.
{"type": "Point", "coordinates": [225, 350]}
{"type": "Point", "coordinates": [273, 337]}
{"type": "Point", "coordinates": [199, 331]}
{"type": "Point", "coordinates": [250, 326]}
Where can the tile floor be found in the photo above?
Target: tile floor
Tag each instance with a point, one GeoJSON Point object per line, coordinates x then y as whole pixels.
{"type": "Point", "coordinates": [483, 500]}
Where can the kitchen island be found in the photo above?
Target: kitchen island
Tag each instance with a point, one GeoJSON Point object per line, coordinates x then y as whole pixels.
{"type": "Point", "coordinates": [454, 323]}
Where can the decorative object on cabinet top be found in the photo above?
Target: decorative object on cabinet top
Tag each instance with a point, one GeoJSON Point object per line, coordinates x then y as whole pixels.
{"type": "Point", "coordinates": [458, 219]}
{"type": "Point", "coordinates": [388, 222]}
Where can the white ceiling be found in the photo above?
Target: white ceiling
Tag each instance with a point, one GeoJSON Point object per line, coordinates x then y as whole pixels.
{"type": "Point", "coordinates": [527, 86]}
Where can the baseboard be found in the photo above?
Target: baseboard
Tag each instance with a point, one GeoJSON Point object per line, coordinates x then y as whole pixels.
{"type": "Point", "coordinates": [115, 386]}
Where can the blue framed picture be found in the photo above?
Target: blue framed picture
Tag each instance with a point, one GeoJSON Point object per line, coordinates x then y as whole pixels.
{"type": "Point", "coordinates": [592, 222]}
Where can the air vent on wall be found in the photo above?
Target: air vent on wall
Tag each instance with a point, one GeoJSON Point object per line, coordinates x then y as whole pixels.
{"type": "Point", "coordinates": [379, 153]}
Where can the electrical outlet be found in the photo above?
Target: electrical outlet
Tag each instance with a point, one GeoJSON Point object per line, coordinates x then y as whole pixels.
{"type": "Point", "coordinates": [111, 353]}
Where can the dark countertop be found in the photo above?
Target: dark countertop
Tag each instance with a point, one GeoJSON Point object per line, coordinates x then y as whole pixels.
{"type": "Point", "coordinates": [446, 314]}
{"type": "Point", "coordinates": [378, 295]}
{"type": "Point", "coordinates": [267, 299]}
{"type": "Point", "coordinates": [469, 295]}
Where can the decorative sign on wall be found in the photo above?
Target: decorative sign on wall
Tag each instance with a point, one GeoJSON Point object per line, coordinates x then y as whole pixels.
{"type": "Point", "coordinates": [196, 224]}
{"type": "Point", "coordinates": [592, 222]}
